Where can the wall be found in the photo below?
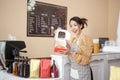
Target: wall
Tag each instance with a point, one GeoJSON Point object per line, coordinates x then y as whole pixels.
{"type": "Point", "coordinates": [113, 10]}
{"type": "Point", "coordinates": [13, 20]}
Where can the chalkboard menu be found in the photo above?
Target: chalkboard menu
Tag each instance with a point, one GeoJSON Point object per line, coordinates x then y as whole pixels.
{"type": "Point", "coordinates": [45, 19]}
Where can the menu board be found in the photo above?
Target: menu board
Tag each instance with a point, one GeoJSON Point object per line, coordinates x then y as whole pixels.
{"type": "Point", "coordinates": [45, 19]}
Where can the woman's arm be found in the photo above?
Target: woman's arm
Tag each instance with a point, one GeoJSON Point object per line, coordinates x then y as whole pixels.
{"type": "Point", "coordinates": [84, 53]}
{"type": "Point", "coordinates": [67, 51]}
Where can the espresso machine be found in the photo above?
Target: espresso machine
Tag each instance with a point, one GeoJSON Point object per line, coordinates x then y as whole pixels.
{"type": "Point", "coordinates": [9, 50]}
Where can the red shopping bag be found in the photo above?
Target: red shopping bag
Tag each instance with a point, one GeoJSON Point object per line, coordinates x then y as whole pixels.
{"type": "Point", "coordinates": [45, 68]}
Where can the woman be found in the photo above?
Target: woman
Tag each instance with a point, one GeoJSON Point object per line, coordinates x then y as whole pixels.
{"type": "Point", "coordinates": [79, 50]}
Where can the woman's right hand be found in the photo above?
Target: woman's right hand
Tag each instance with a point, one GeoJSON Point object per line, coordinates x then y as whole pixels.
{"type": "Point", "coordinates": [67, 51]}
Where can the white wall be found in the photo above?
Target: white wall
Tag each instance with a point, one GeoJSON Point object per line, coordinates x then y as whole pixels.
{"type": "Point", "coordinates": [13, 20]}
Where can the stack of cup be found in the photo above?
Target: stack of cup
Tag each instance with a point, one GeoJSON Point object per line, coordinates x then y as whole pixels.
{"type": "Point", "coordinates": [95, 45]}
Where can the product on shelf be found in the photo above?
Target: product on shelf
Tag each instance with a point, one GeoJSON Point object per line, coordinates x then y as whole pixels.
{"type": "Point", "coordinates": [54, 70]}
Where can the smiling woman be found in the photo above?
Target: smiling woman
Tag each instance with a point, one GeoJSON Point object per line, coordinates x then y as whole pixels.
{"type": "Point", "coordinates": [79, 49]}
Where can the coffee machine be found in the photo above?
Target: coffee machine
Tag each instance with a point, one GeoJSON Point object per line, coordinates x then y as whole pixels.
{"type": "Point", "coordinates": [9, 50]}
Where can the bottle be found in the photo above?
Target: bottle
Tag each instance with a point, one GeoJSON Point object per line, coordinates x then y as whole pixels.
{"type": "Point", "coordinates": [21, 67]}
{"type": "Point", "coordinates": [52, 31]}
{"type": "Point", "coordinates": [15, 66]}
{"type": "Point", "coordinates": [54, 70]}
{"type": "Point", "coordinates": [19, 63]}
{"type": "Point", "coordinates": [26, 68]}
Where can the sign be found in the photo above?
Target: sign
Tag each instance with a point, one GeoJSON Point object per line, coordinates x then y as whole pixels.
{"type": "Point", "coordinates": [45, 19]}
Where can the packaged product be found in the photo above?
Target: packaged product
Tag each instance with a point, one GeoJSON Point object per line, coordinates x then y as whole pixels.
{"type": "Point", "coordinates": [61, 36]}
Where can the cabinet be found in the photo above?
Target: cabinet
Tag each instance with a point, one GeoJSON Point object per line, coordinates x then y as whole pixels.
{"type": "Point", "coordinates": [101, 64]}
{"type": "Point", "coordinates": [62, 62]}
{"type": "Point", "coordinates": [98, 69]}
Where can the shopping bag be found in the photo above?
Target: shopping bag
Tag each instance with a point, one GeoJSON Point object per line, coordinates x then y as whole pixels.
{"type": "Point", "coordinates": [45, 68]}
{"type": "Point", "coordinates": [114, 73]}
{"type": "Point", "coordinates": [34, 68]}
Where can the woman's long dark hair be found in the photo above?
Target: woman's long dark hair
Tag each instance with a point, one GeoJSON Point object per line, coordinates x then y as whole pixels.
{"type": "Point", "coordinates": [80, 21]}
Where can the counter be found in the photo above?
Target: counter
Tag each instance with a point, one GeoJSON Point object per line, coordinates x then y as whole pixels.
{"type": "Point", "coordinates": [100, 65]}
{"type": "Point", "coordinates": [7, 76]}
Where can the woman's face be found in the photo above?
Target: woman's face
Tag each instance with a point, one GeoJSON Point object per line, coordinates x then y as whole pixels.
{"type": "Point", "coordinates": [75, 28]}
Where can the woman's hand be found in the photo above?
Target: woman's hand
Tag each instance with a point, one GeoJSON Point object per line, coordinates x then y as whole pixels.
{"type": "Point", "coordinates": [68, 45]}
{"type": "Point", "coordinates": [67, 51]}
